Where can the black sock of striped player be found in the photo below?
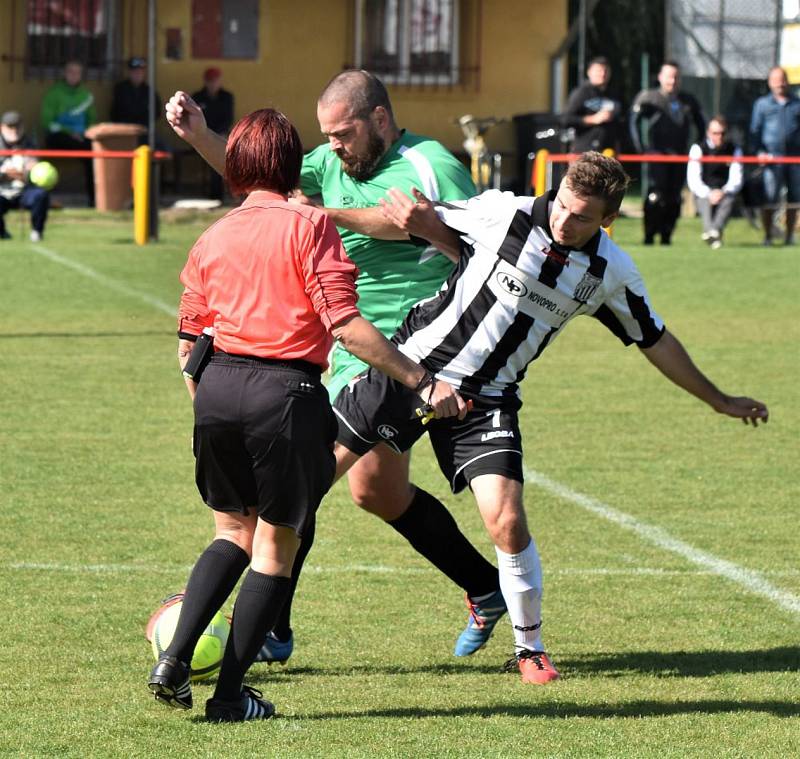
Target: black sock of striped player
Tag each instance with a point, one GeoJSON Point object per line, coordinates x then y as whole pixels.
{"type": "Point", "coordinates": [257, 608]}
{"type": "Point", "coordinates": [521, 581]}
{"type": "Point", "coordinates": [283, 627]}
{"type": "Point", "coordinates": [213, 577]}
{"type": "Point", "coordinates": [432, 531]}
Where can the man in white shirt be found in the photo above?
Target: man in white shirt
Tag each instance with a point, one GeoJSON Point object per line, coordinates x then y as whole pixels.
{"type": "Point", "coordinates": [714, 185]}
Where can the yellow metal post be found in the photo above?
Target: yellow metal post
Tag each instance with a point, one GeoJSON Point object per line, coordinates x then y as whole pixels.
{"type": "Point", "coordinates": [540, 172]}
{"type": "Point", "coordinates": [610, 153]}
{"type": "Point", "coordinates": [141, 194]}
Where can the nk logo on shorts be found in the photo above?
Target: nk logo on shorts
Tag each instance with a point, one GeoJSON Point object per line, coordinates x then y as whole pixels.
{"type": "Point", "coordinates": [387, 432]}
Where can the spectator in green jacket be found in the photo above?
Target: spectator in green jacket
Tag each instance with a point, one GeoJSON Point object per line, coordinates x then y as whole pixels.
{"type": "Point", "coordinates": [67, 112]}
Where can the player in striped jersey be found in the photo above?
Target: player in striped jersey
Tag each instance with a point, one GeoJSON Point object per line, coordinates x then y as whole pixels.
{"type": "Point", "coordinates": [527, 267]}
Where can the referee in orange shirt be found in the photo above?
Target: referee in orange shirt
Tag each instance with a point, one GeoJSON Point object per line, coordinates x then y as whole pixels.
{"type": "Point", "coordinates": [276, 285]}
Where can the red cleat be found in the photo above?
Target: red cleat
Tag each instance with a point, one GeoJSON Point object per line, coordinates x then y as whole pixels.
{"type": "Point", "coordinates": [534, 666]}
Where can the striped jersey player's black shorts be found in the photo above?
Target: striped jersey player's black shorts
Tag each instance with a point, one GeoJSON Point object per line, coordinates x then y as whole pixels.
{"type": "Point", "coordinates": [263, 438]}
{"type": "Point", "coordinates": [374, 409]}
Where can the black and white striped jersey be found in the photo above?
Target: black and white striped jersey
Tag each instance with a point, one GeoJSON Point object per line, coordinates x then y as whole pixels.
{"type": "Point", "coordinates": [514, 290]}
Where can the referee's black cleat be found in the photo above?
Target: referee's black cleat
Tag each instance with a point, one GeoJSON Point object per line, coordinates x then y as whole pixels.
{"type": "Point", "coordinates": [169, 682]}
{"type": "Point", "coordinates": [250, 705]}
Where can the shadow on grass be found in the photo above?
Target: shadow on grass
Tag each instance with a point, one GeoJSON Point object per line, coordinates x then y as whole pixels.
{"type": "Point", "coordinates": [662, 663]}
{"type": "Point", "coordinates": [456, 668]}
{"type": "Point", "coordinates": [687, 664]}
{"type": "Point", "coordinates": [557, 710]}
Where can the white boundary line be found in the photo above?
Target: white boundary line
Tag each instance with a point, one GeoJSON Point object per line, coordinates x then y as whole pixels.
{"type": "Point", "coordinates": [34, 566]}
{"type": "Point", "coordinates": [111, 284]}
{"type": "Point", "coordinates": [751, 581]}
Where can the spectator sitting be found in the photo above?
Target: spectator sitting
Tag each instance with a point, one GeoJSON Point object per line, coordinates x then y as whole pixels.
{"type": "Point", "coordinates": [15, 192]}
{"type": "Point", "coordinates": [714, 185]}
{"type": "Point", "coordinates": [775, 131]}
{"type": "Point", "coordinates": [217, 105]}
{"type": "Point", "coordinates": [593, 112]}
{"type": "Point", "coordinates": [67, 112]}
{"type": "Point", "coordinates": [131, 98]}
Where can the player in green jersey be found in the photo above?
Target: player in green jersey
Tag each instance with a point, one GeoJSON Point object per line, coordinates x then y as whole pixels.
{"type": "Point", "coordinates": [365, 155]}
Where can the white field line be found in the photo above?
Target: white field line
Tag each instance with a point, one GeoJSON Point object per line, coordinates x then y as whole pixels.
{"type": "Point", "coordinates": [754, 582]}
{"type": "Point", "coordinates": [108, 282]}
{"type": "Point", "coordinates": [33, 566]}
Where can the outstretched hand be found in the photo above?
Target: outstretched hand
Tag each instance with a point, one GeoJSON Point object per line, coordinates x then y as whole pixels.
{"type": "Point", "coordinates": [749, 410]}
{"type": "Point", "coordinates": [185, 117]}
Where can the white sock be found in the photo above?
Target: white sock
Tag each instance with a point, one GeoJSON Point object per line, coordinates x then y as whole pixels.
{"type": "Point", "coordinates": [521, 583]}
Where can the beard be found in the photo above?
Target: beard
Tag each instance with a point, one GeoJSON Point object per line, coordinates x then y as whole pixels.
{"type": "Point", "coordinates": [361, 166]}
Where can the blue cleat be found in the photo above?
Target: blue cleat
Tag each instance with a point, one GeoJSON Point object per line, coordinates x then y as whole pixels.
{"type": "Point", "coordinates": [482, 619]}
{"type": "Point", "coordinates": [275, 650]}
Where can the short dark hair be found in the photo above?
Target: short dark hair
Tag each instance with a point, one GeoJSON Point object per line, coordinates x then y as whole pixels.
{"type": "Point", "coordinates": [263, 152]}
{"type": "Point", "coordinates": [595, 175]}
{"type": "Point", "coordinates": [720, 119]}
{"type": "Point", "coordinates": [670, 62]}
{"type": "Point", "coordinates": [363, 91]}
{"type": "Point", "coordinates": [599, 60]}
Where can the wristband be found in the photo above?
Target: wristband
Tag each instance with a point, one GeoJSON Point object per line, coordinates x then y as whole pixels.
{"type": "Point", "coordinates": [426, 380]}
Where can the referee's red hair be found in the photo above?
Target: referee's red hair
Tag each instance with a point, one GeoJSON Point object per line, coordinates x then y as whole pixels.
{"type": "Point", "coordinates": [264, 152]}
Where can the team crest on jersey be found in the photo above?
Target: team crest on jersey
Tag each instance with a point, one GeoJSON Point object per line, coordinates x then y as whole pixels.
{"type": "Point", "coordinates": [387, 432]}
{"type": "Point", "coordinates": [586, 287]}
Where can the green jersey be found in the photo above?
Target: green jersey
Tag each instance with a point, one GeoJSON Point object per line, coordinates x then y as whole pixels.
{"type": "Point", "coordinates": [394, 274]}
{"type": "Point", "coordinates": [67, 109]}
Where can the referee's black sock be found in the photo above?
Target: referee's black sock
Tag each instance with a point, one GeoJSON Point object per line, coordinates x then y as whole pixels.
{"type": "Point", "coordinates": [433, 532]}
{"type": "Point", "coordinates": [283, 627]}
{"type": "Point", "coordinates": [213, 577]}
{"type": "Point", "coordinates": [257, 607]}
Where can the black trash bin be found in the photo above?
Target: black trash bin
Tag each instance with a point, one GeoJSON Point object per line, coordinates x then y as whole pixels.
{"type": "Point", "coordinates": [534, 131]}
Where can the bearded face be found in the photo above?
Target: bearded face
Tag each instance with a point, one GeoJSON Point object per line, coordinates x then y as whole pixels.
{"type": "Point", "coordinates": [360, 162]}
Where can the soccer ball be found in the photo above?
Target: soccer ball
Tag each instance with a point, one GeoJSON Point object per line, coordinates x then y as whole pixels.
{"type": "Point", "coordinates": [44, 175]}
{"type": "Point", "coordinates": [208, 652]}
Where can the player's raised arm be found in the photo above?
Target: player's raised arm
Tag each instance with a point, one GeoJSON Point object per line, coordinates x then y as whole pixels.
{"type": "Point", "coordinates": [672, 360]}
{"type": "Point", "coordinates": [188, 122]}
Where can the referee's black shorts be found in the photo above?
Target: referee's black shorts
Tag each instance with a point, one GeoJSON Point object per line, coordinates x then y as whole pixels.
{"type": "Point", "coordinates": [376, 409]}
{"type": "Point", "coordinates": [263, 438]}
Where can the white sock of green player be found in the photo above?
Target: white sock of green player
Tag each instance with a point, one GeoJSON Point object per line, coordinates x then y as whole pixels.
{"type": "Point", "coordinates": [521, 583]}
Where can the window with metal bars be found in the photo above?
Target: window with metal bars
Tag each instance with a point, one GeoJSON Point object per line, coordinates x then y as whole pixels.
{"type": "Point", "coordinates": [58, 31]}
{"type": "Point", "coordinates": [416, 42]}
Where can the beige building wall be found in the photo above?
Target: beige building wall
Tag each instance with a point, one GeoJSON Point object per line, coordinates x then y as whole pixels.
{"type": "Point", "coordinates": [302, 43]}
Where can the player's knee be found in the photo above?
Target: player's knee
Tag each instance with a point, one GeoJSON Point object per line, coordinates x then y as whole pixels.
{"type": "Point", "coordinates": [241, 537]}
{"type": "Point", "coordinates": [508, 529]}
{"type": "Point", "coordinates": [388, 504]}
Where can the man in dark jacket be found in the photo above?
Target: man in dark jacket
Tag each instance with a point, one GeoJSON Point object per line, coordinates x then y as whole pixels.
{"type": "Point", "coordinates": [669, 115]}
{"type": "Point", "coordinates": [217, 105]}
{"type": "Point", "coordinates": [592, 112]}
{"type": "Point", "coordinates": [131, 96]}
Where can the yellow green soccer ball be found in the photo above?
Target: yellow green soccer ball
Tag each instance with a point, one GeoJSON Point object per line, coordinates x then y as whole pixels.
{"type": "Point", "coordinates": [44, 175]}
{"type": "Point", "coordinates": [208, 652]}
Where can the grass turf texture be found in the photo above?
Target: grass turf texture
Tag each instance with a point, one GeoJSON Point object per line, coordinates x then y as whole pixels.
{"type": "Point", "coordinates": [101, 520]}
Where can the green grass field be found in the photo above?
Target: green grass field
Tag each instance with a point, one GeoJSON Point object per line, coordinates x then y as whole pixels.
{"type": "Point", "coordinates": [668, 534]}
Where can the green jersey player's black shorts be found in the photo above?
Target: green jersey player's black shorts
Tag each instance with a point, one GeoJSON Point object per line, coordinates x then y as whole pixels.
{"type": "Point", "coordinates": [375, 409]}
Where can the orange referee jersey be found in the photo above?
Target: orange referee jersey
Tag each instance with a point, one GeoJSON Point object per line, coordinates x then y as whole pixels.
{"type": "Point", "coordinates": [272, 278]}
